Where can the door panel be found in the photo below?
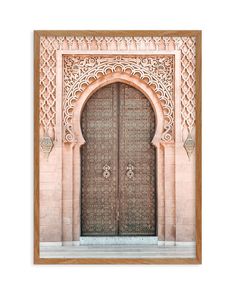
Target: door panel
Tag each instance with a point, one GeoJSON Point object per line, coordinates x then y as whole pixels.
{"type": "Point", "coordinates": [137, 179]}
{"type": "Point", "coordinates": [118, 163]}
{"type": "Point", "coordinates": [99, 183]}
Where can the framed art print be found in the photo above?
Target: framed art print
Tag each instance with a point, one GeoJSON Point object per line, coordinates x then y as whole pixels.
{"type": "Point", "coordinates": [117, 143]}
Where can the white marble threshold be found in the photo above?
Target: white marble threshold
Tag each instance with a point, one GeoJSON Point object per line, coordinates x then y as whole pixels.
{"type": "Point", "coordinates": [78, 243]}
{"type": "Point", "coordinates": [186, 250]}
{"type": "Point", "coordinates": [117, 240]}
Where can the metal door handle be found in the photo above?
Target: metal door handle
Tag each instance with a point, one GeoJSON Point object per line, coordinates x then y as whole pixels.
{"type": "Point", "coordinates": [106, 173]}
{"type": "Point", "coordinates": [129, 172]}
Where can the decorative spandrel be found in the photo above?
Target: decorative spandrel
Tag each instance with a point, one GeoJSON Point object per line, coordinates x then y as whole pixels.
{"type": "Point", "coordinates": [157, 72]}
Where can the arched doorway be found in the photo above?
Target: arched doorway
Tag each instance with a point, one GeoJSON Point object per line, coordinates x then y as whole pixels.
{"type": "Point", "coordinates": [118, 164]}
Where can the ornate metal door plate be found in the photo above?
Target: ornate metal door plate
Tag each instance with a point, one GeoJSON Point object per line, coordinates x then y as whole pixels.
{"type": "Point", "coordinates": [130, 169]}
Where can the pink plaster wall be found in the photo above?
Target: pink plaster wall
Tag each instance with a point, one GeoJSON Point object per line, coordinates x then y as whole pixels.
{"type": "Point", "coordinates": [50, 197]}
{"type": "Point", "coordinates": [185, 196]}
{"type": "Point", "coordinates": [175, 222]}
{"type": "Point", "coordinates": [60, 180]}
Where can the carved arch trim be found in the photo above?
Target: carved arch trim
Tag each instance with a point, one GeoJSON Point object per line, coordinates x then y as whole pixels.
{"type": "Point", "coordinates": [71, 168]}
{"type": "Point", "coordinates": [156, 71]}
{"type": "Point", "coordinates": [109, 79]}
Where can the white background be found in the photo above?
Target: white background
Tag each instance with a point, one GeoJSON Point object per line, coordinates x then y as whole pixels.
{"type": "Point", "coordinates": [18, 19]}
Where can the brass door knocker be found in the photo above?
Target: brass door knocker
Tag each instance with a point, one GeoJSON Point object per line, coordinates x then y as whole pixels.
{"type": "Point", "coordinates": [106, 173]}
{"type": "Point", "coordinates": [130, 173]}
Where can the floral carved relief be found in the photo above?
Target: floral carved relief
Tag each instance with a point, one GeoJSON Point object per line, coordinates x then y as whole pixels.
{"type": "Point", "coordinates": [157, 72]}
{"type": "Point", "coordinates": [49, 46]}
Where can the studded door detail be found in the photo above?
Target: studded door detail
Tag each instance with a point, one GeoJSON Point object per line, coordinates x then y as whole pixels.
{"type": "Point", "coordinates": [118, 163]}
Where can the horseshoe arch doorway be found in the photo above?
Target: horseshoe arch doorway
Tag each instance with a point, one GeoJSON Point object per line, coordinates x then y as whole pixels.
{"type": "Point", "coordinates": [118, 164]}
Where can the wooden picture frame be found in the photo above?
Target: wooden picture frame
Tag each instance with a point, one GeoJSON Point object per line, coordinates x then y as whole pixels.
{"type": "Point", "coordinates": [47, 145]}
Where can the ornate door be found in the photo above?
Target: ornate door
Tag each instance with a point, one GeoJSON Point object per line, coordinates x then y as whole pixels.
{"type": "Point", "coordinates": [99, 163]}
{"type": "Point", "coordinates": [118, 164]}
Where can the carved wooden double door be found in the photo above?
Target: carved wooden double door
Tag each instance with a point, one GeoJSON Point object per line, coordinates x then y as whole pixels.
{"type": "Point", "coordinates": [118, 164]}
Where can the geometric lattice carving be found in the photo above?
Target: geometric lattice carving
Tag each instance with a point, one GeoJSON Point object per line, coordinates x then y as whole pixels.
{"type": "Point", "coordinates": [47, 83]}
{"type": "Point", "coordinates": [188, 61]}
{"type": "Point", "coordinates": [155, 71]}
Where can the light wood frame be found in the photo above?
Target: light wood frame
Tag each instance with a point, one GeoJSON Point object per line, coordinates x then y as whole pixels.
{"type": "Point", "coordinates": [198, 258]}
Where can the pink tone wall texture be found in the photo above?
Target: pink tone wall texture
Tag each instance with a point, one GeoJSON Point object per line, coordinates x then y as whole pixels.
{"type": "Point", "coordinates": [60, 169]}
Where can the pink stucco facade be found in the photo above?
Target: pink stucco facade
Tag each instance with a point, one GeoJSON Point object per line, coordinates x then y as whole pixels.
{"type": "Point", "coordinates": [63, 95]}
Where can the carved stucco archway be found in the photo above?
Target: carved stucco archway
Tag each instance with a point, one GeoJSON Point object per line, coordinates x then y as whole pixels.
{"type": "Point", "coordinates": [74, 100]}
{"type": "Point", "coordinates": [155, 71]}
